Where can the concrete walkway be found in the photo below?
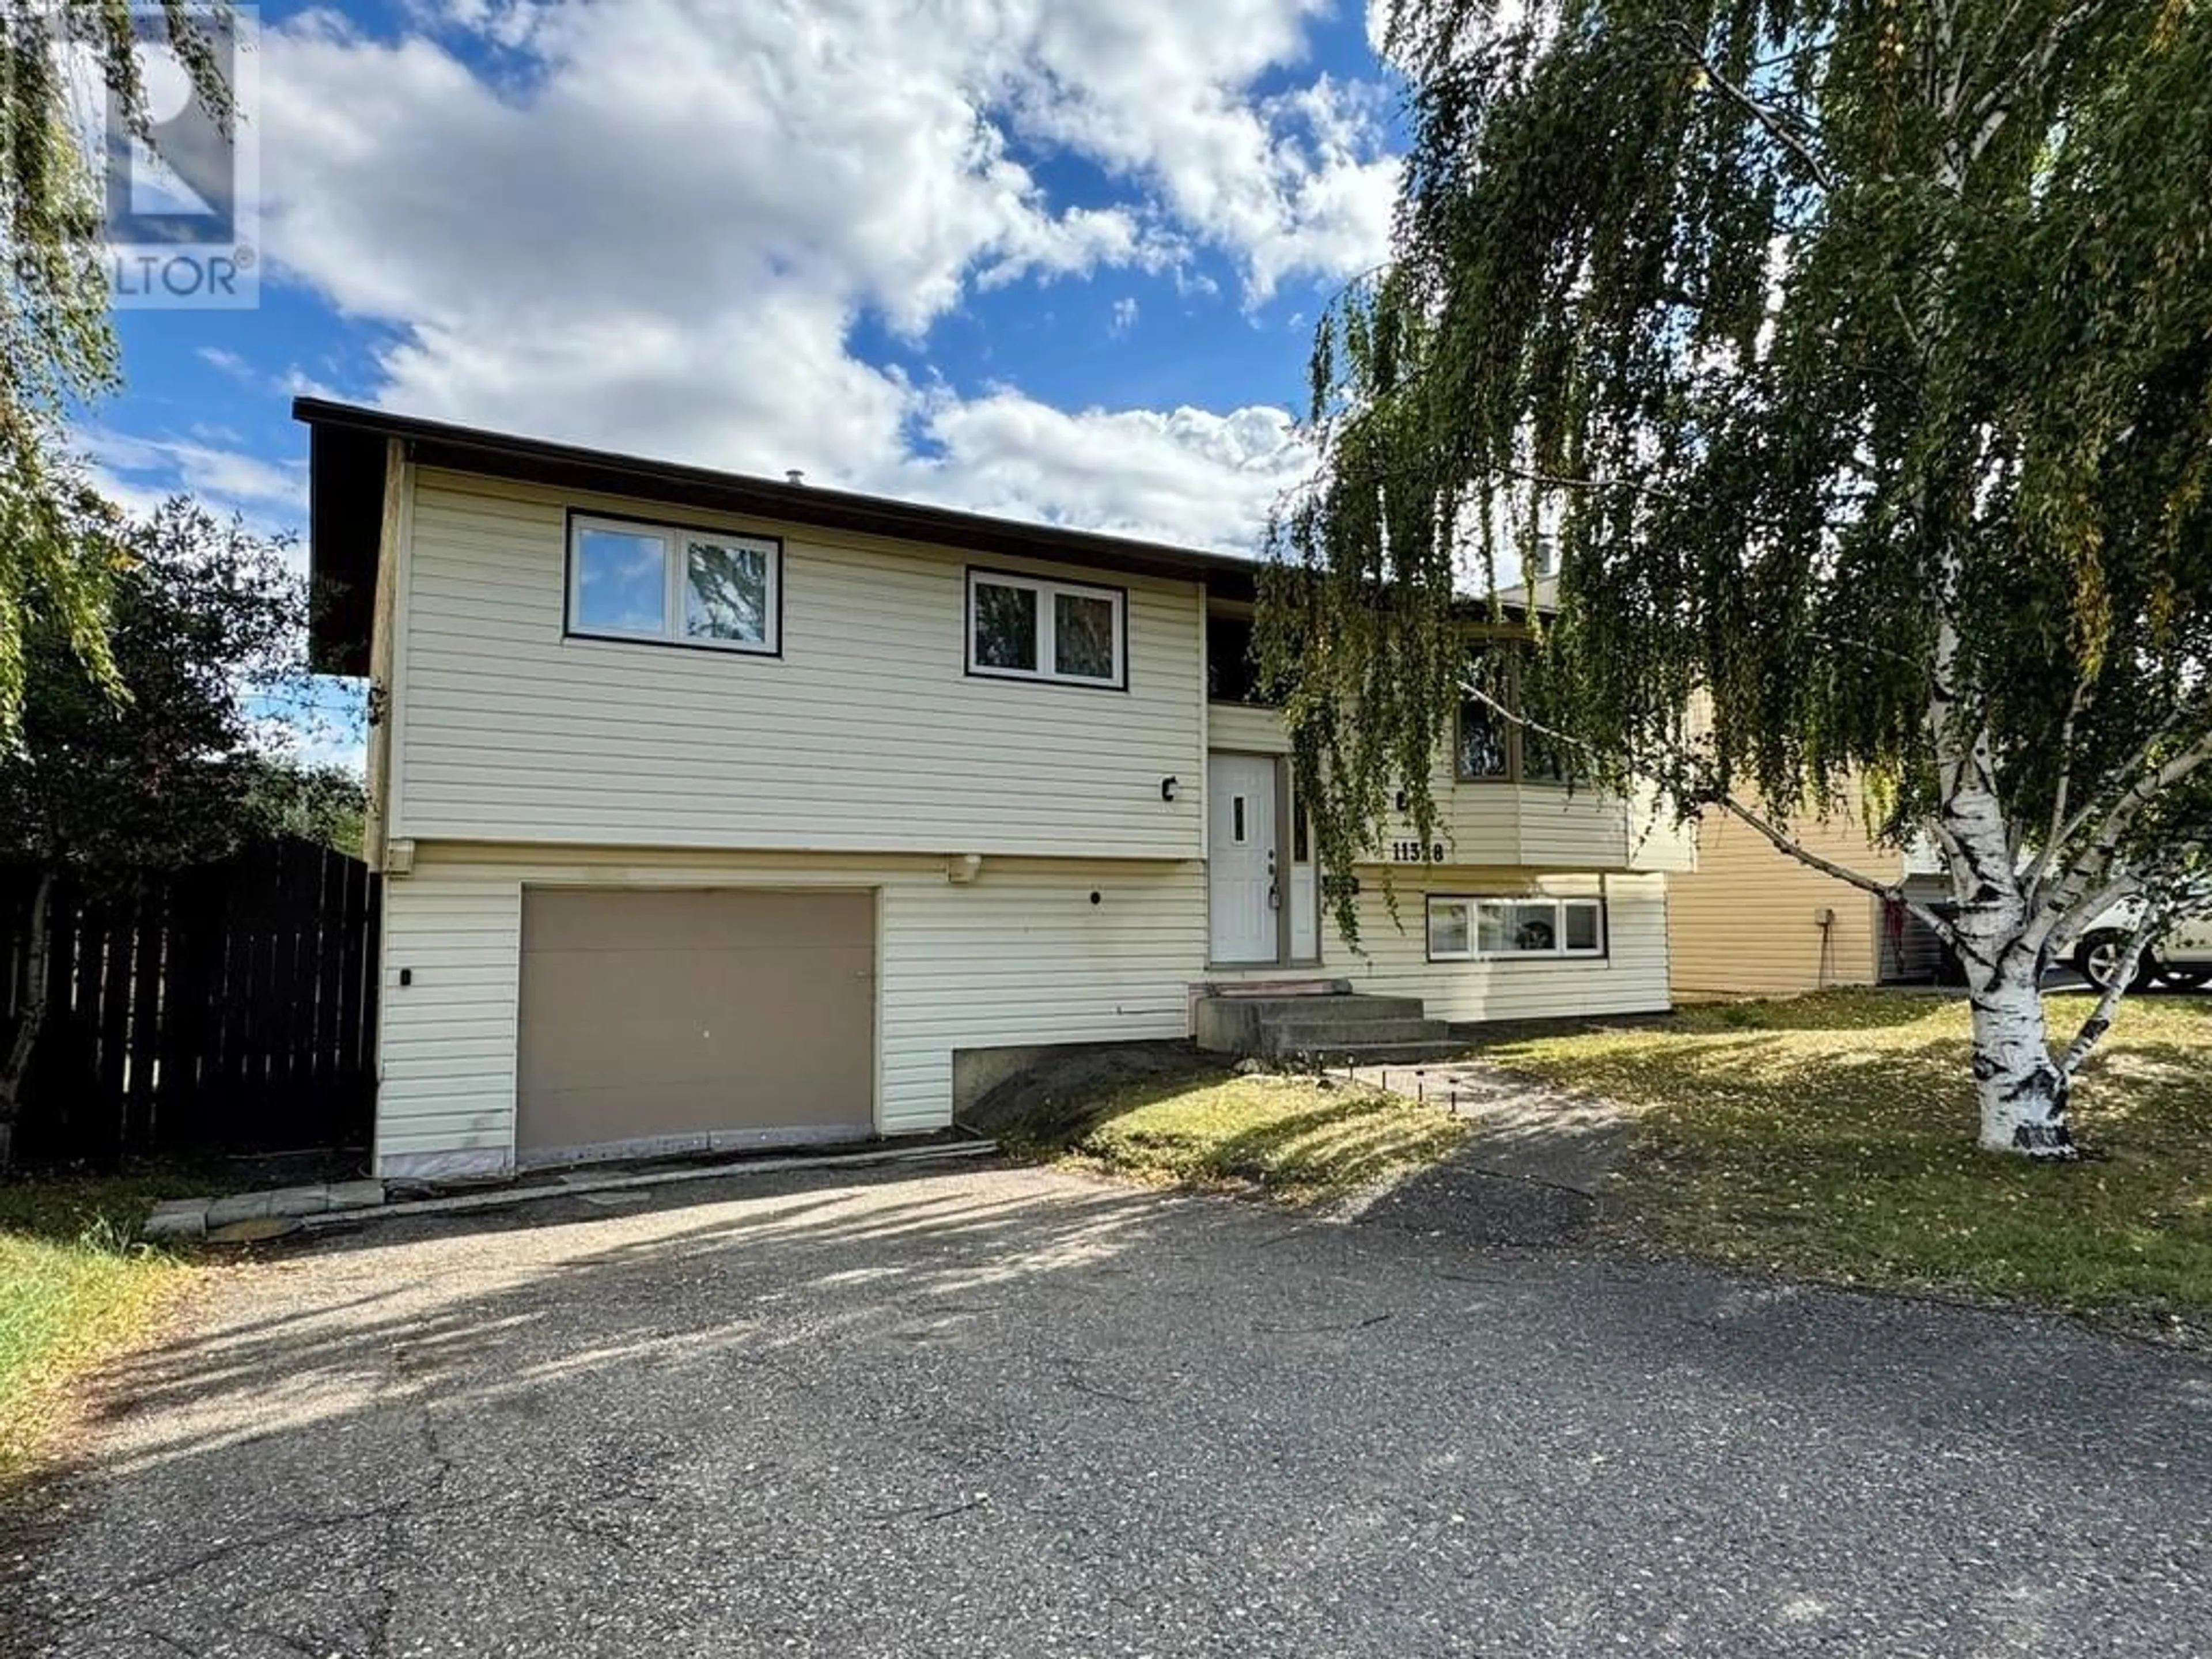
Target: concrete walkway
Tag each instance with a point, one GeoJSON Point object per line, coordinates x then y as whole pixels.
{"type": "Point", "coordinates": [1002, 1411]}
{"type": "Point", "coordinates": [1532, 1173]}
{"type": "Point", "coordinates": [1526, 1129]}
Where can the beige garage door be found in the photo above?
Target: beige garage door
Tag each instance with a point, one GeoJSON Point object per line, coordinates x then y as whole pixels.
{"type": "Point", "coordinates": [690, 1017]}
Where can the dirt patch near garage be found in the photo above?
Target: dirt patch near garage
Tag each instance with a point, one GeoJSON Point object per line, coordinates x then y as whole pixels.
{"type": "Point", "coordinates": [1059, 1096]}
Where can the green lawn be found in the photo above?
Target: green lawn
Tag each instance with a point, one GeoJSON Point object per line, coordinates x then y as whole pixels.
{"type": "Point", "coordinates": [75, 1289]}
{"type": "Point", "coordinates": [1295, 1137]}
{"type": "Point", "coordinates": [1832, 1136]}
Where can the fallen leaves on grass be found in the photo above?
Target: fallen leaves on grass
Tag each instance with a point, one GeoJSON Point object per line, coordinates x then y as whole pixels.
{"type": "Point", "coordinates": [1833, 1136]}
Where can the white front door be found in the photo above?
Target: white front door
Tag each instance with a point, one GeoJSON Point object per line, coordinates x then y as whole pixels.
{"type": "Point", "coordinates": [1241, 897]}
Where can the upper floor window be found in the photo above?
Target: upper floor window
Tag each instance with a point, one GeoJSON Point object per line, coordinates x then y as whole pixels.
{"type": "Point", "coordinates": [1232, 666]}
{"type": "Point", "coordinates": [631, 580]}
{"type": "Point", "coordinates": [1489, 745]}
{"type": "Point", "coordinates": [1025, 628]}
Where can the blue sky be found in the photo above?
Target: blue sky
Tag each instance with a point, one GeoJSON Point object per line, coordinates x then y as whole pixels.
{"type": "Point", "coordinates": [1055, 259]}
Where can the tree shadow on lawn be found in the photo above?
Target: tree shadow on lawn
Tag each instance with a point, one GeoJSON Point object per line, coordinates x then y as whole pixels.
{"type": "Point", "coordinates": [1332, 1147]}
{"type": "Point", "coordinates": [1169, 1113]}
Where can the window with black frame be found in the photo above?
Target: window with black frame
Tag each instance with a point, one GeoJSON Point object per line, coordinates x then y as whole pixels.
{"type": "Point", "coordinates": [1490, 745]}
{"type": "Point", "coordinates": [1484, 742]}
{"type": "Point", "coordinates": [1542, 761]}
{"type": "Point", "coordinates": [1232, 666]}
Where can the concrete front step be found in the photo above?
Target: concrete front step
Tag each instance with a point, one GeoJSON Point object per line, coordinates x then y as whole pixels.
{"type": "Point", "coordinates": [1386, 1053]}
{"type": "Point", "coordinates": [1347, 1006]}
{"type": "Point", "coordinates": [1295, 986]}
{"type": "Point", "coordinates": [1239, 1025]}
{"type": "Point", "coordinates": [1302, 1036]}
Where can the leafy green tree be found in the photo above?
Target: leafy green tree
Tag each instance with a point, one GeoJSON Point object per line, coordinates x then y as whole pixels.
{"type": "Point", "coordinates": [322, 803]}
{"type": "Point", "coordinates": [109, 782]}
{"type": "Point", "coordinates": [1857, 357]}
{"type": "Point", "coordinates": [57, 347]}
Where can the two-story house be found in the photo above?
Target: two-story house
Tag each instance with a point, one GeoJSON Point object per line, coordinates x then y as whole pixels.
{"type": "Point", "coordinates": [716, 810]}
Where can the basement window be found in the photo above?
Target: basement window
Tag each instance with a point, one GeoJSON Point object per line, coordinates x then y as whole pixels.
{"type": "Point", "coordinates": [1473, 929]}
{"type": "Point", "coordinates": [671, 585]}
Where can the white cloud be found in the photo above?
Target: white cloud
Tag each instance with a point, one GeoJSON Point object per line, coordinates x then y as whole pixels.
{"type": "Point", "coordinates": [138, 474]}
{"type": "Point", "coordinates": [1159, 91]}
{"type": "Point", "coordinates": [229, 362]}
{"type": "Point", "coordinates": [1125, 314]}
{"type": "Point", "coordinates": [137, 496]}
{"type": "Point", "coordinates": [226, 478]}
{"type": "Point", "coordinates": [652, 225]}
{"type": "Point", "coordinates": [297, 382]}
{"type": "Point", "coordinates": [663, 152]}
{"type": "Point", "coordinates": [1190, 475]}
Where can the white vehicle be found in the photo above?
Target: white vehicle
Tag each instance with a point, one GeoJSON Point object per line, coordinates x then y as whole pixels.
{"type": "Point", "coordinates": [2181, 957]}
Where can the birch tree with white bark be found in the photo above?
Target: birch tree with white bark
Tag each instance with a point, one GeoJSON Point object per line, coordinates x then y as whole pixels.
{"type": "Point", "coordinates": [1857, 357]}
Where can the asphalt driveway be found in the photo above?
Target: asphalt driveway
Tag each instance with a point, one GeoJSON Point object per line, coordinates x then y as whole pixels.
{"type": "Point", "coordinates": [1013, 1413]}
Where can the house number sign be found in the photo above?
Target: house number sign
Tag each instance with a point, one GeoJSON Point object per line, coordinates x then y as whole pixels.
{"type": "Point", "coordinates": [1413, 852]}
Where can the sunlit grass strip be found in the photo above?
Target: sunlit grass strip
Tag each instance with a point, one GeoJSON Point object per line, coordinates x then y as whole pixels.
{"type": "Point", "coordinates": [74, 1290]}
{"type": "Point", "coordinates": [1297, 1137]}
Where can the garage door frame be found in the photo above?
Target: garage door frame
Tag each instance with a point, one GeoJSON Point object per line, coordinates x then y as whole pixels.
{"type": "Point", "coordinates": [731, 1140]}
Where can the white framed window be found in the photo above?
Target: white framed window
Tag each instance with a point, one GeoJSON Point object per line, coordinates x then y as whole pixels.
{"type": "Point", "coordinates": [1024, 628]}
{"type": "Point", "coordinates": [675, 585]}
{"type": "Point", "coordinates": [1475, 928]}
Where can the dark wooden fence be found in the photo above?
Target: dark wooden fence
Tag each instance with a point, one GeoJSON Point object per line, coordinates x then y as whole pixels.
{"type": "Point", "coordinates": [226, 1009]}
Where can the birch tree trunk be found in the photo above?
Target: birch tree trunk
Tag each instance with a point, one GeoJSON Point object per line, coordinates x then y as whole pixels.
{"type": "Point", "coordinates": [31, 1018]}
{"type": "Point", "coordinates": [2002, 944]}
{"type": "Point", "coordinates": [2022, 1090]}
{"type": "Point", "coordinates": [2000, 939]}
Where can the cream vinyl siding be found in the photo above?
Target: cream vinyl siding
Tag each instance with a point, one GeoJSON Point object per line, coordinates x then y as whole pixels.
{"type": "Point", "coordinates": [1744, 922]}
{"type": "Point", "coordinates": [1631, 979]}
{"type": "Point", "coordinates": [1245, 729]}
{"type": "Point", "coordinates": [1589, 831]}
{"type": "Point", "coordinates": [866, 734]}
{"type": "Point", "coordinates": [1021, 956]}
{"type": "Point", "coordinates": [446, 1044]}
{"type": "Point", "coordinates": [1545, 827]}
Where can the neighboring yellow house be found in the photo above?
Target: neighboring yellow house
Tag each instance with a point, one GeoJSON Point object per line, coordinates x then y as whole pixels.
{"type": "Point", "coordinates": [1750, 920]}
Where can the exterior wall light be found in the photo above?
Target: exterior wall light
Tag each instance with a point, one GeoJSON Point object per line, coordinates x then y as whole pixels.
{"type": "Point", "coordinates": [1169, 787]}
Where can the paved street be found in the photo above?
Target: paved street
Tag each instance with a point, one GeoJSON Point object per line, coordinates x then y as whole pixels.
{"type": "Point", "coordinates": [1012, 1413]}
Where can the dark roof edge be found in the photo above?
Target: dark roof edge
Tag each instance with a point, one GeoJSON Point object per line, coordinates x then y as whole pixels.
{"type": "Point", "coordinates": [604, 471]}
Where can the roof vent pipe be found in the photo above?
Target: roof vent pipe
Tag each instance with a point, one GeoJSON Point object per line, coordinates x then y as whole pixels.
{"type": "Point", "coordinates": [794, 476]}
